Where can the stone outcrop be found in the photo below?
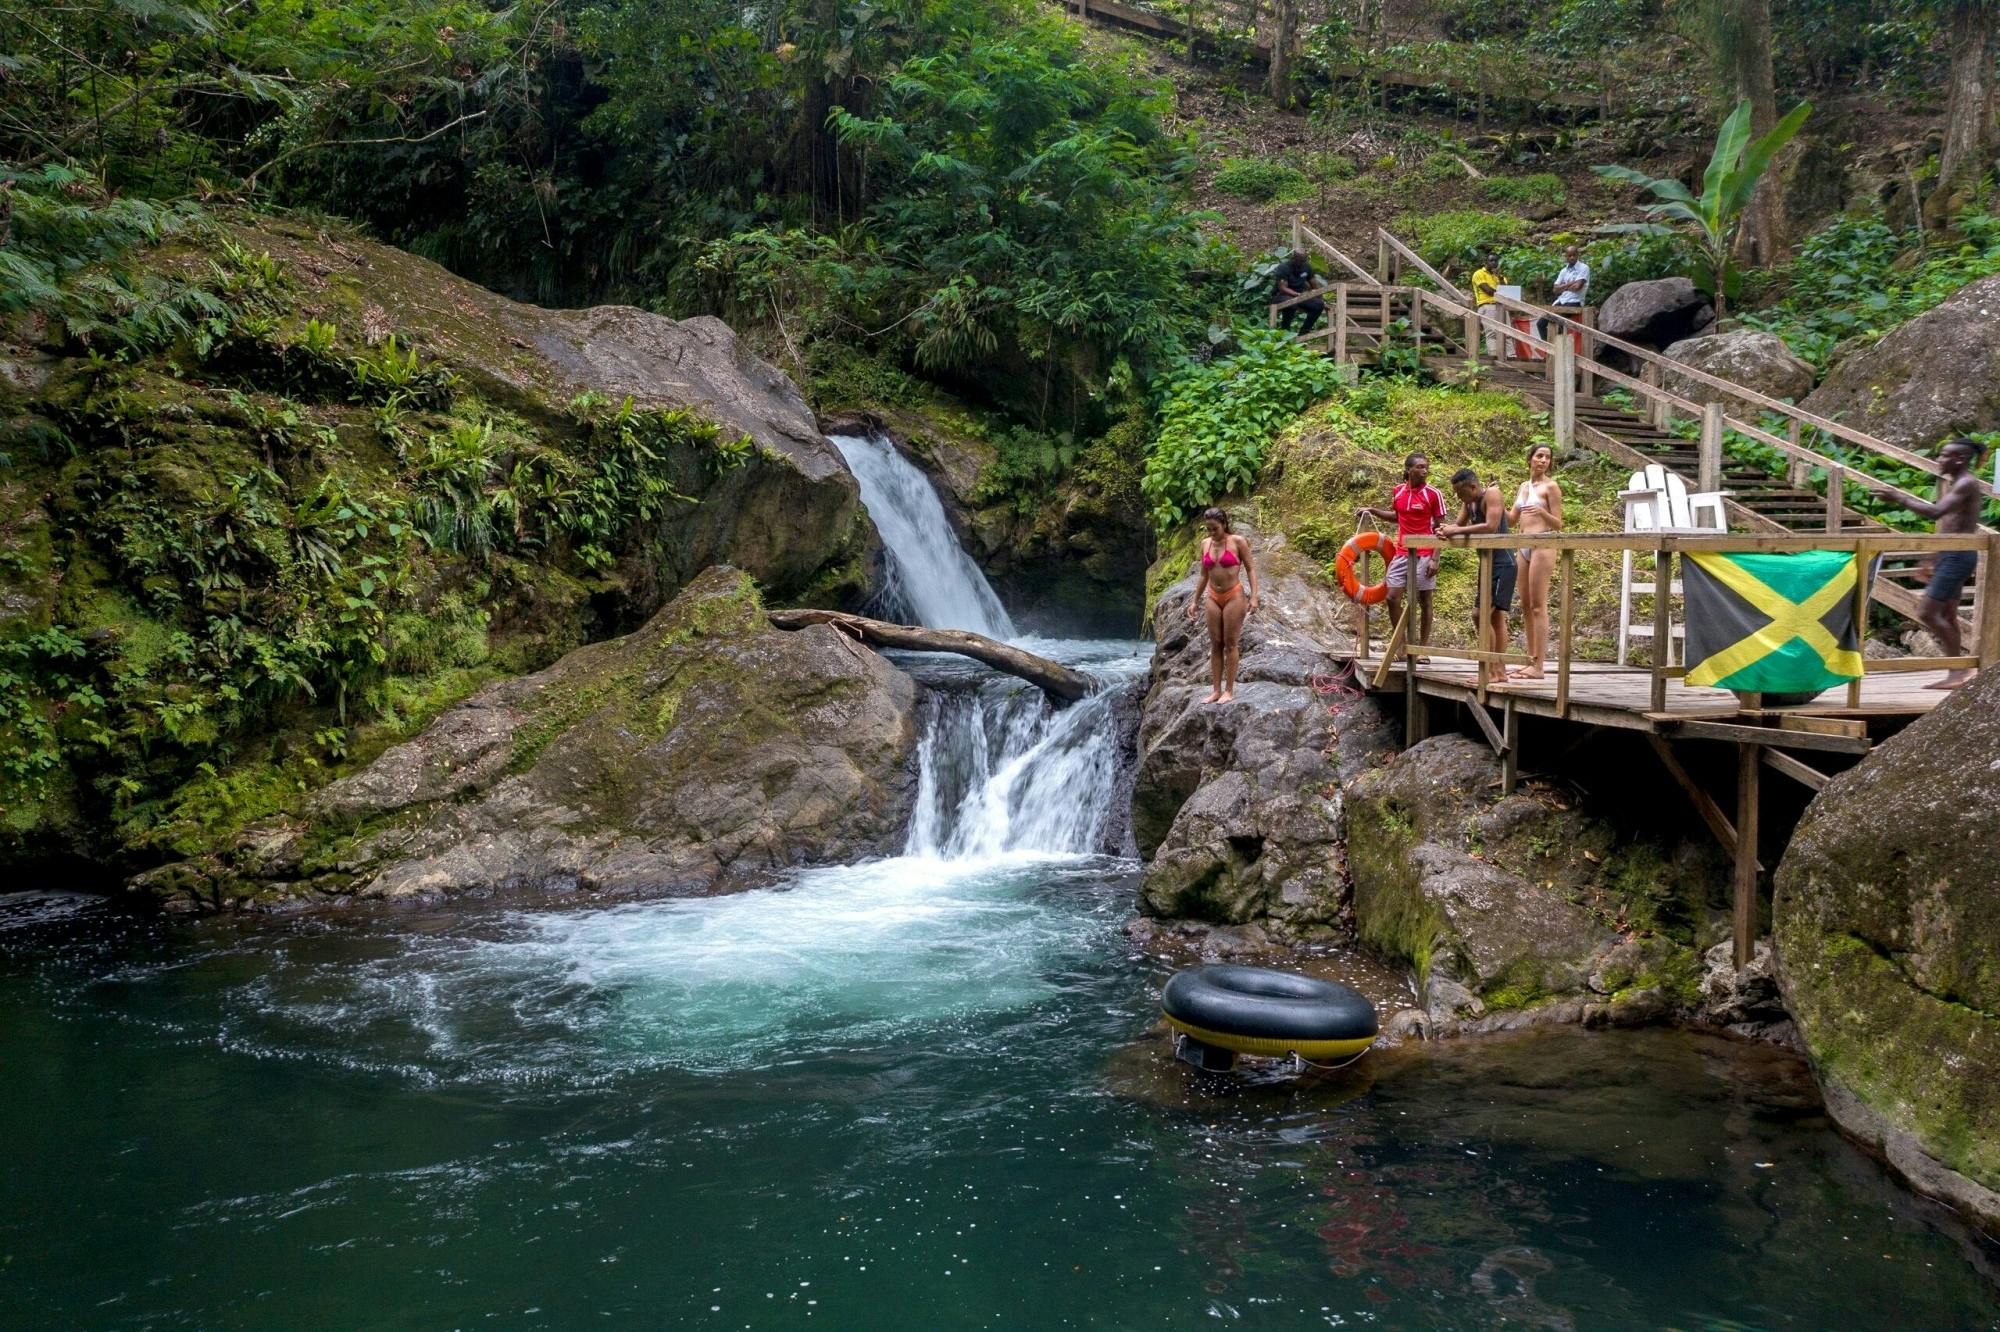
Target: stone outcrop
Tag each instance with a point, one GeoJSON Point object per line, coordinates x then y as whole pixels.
{"type": "Point", "coordinates": [706, 751]}
{"type": "Point", "coordinates": [1237, 807]}
{"type": "Point", "coordinates": [1656, 313]}
{"type": "Point", "coordinates": [1889, 948]}
{"type": "Point", "coordinates": [1935, 376]}
{"type": "Point", "coordinates": [783, 517]}
{"type": "Point", "coordinates": [1759, 361]}
{"type": "Point", "coordinates": [1515, 909]}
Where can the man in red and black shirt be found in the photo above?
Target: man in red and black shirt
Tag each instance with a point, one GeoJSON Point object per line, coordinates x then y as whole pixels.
{"type": "Point", "coordinates": [1416, 507]}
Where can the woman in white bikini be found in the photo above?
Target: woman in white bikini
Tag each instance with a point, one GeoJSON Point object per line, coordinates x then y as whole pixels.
{"type": "Point", "coordinates": [1537, 508]}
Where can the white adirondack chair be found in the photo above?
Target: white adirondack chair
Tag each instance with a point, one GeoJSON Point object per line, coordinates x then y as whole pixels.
{"type": "Point", "coordinates": [1658, 501]}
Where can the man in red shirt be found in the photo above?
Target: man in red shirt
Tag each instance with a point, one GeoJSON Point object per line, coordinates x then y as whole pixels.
{"type": "Point", "coordinates": [1416, 507]}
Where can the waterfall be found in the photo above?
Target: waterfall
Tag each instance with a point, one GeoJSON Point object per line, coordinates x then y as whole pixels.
{"type": "Point", "coordinates": [932, 581]}
{"type": "Point", "coordinates": [1000, 771]}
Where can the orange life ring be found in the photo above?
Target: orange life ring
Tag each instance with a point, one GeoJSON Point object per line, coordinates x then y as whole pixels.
{"type": "Point", "coordinates": [1343, 566]}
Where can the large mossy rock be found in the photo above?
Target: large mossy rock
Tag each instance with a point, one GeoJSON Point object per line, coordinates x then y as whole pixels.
{"type": "Point", "coordinates": [1521, 903]}
{"type": "Point", "coordinates": [1237, 806]}
{"type": "Point", "coordinates": [1657, 312]}
{"type": "Point", "coordinates": [784, 517]}
{"type": "Point", "coordinates": [1935, 376]}
{"type": "Point", "coordinates": [1759, 361]}
{"type": "Point", "coordinates": [706, 751]}
{"type": "Point", "coordinates": [1887, 921]}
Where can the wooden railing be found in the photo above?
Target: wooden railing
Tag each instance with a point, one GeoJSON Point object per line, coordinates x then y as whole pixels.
{"type": "Point", "coordinates": [1864, 548]}
{"type": "Point", "coordinates": [1392, 254]}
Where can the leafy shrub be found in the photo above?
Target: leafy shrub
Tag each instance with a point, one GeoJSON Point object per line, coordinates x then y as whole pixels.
{"type": "Point", "coordinates": [1216, 420]}
{"type": "Point", "coordinates": [1332, 166]}
{"type": "Point", "coordinates": [1263, 181]}
{"type": "Point", "coordinates": [1440, 167]}
{"type": "Point", "coordinates": [1024, 465]}
{"type": "Point", "coordinates": [1541, 188]}
{"type": "Point", "coordinates": [1458, 237]}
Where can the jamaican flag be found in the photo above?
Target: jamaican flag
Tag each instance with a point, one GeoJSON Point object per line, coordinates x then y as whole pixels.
{"type": "Point", "coordinates": [1778, 624]}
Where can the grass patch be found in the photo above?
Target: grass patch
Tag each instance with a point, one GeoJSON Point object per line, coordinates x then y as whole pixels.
{"type": "Point", "coordinates": [1541, 189]}
{"type": "Point", "coordinates": [1263, 181]}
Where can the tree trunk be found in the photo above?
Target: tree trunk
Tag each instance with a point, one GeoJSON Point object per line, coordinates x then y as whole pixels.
{"type": "Point", "coordinates": [1968, 118]}
{"type": "Point", "coordinates": [1741, 30]}
{"type": "Point", "coordinates": [1059, 682]}
{"type": "Point", "coordinates": [1284, 36]}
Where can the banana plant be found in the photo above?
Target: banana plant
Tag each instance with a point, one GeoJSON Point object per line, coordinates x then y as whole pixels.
{"type": "Point", "coordinates": [1727, 187]}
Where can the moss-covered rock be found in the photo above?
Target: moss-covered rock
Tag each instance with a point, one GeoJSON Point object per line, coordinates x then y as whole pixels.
{"type": "Point", "coordinates": [705, 751]}
{"type": "Point", "coordinates": [1889, 947]}
{"type": "Point", "coordinates": [1526, 901]}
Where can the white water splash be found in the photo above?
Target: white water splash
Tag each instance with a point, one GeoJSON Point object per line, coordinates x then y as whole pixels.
{"type": "Point", "coordinates": [931, 580]}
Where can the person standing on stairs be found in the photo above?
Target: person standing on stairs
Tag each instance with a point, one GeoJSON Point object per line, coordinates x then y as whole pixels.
{"type": "Point", "coordinates": [1537, 509]}
{"type": "Point", "coordinates": [1295, 277]}
{"type": "Point", "coordinates": [1481, 512]}
{"type": "Point", "coordinates": [1486, 284]}
{"type": "Point", "coordinates": [1416, 507]}
{"type": "Point", "coordinates": [1956, 510]}
{"type": "Point", "coordinates": [1572, 290]}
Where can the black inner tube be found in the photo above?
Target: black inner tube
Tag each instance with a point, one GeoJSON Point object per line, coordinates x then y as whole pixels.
{"type": "Point", "coordinates": [1274, 1005]}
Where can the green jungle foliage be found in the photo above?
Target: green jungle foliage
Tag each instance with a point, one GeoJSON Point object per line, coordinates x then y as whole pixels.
{"type": "Point", "coordinates": [1542, 188]}
{"type": "Point", "coordinates": [1460, 237]}
{"type": "Point", "coordinates": [1217, 419]}
{"type": "Point", "coordinates": [1264, 181]}
{"type": "Point", "coordinates": [1859, 278]}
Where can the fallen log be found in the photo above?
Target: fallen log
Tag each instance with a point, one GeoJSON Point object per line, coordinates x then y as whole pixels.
{"type": "Point", "coordinates": [1059, 682]}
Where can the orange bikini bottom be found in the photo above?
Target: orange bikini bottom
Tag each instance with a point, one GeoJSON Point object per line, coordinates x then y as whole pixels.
{"type": "Point", "coordinates": [1223, 596]}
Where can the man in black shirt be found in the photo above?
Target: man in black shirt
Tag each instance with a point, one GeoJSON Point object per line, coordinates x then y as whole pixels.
{"type": "Point", "coordinates": [1295, 278]}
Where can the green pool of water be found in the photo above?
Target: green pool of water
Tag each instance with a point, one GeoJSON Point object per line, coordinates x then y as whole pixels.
{"type": "Point", "coordinates": [913, 1095]}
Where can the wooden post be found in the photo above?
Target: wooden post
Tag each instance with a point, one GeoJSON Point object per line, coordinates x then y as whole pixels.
{"type": "Point", "coordinates": [1484, 614]}
{"type": "Point", "coordinates": [1861, 557]}
{"type": "Point", "coordinates": [1562, 367]}
{"type": "Point", "coordinates": [1663, 636]}
{"type": "Point", "coordinates": [1797, 471]}
{"type": "Point", "coordinates": [1836, 502]}
{"type": "Point", "coordinates": [1340, 325]}
{"type": "Point", "coordinates": [1709, 466]}
{"type": "Point", "coordinates": [1298, 231]}
{"type": "Point", "coordinates": [1749, 761]}
{"type": "Point", "coordinates": [1381, 256]}
{"type": "Point", "coordinates": [1649, 375]}
{"type": "Point", "coordinates": [1411, 704]}
{"type": "Point", "coordinates": [1566, 644]}
{"type": "Point", "coordinates": [1590, 352]}
{"type": "Point", "coordinates": [1986, 633]}
{"type": "Point", "coordinates": [1510, 757]}
{"type": "Point", "coordinates": [1472, 337]}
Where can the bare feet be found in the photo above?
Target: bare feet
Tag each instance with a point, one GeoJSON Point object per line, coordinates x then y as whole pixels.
{"type": "Point", "coordinates": [1228, 696]}
{"type": "Point", "coordinates": [1214, 695]}
{"type": "Point", "coordinates": [1952, 680]}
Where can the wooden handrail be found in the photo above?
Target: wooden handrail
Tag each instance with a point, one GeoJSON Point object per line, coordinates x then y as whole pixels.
{"type": "Point", "coordinates": [1416, 260]}
{"type": "Point", "coordinates": [1668, 365]}
{"type": "Point", "coordinates": [1710, 543]}
{"type": "Point", "coordinates": [1301, 230]}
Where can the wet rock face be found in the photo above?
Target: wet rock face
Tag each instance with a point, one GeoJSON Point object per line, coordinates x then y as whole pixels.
{"type": "Point", "coordinates": [1937, 375]}
{"type": "Point", "coordinates": [1237, 807]}
{"type": "Point", "coordinates": [1512, 910]}
{"type": "Point", "coordinates": [1658, 312]}
{"type": "Point", "coordinates": [1757, 360]}
{"type": "Point", "coordinates": [1887, 922]}
{"type": "Point", "coordinates": [706, 751]}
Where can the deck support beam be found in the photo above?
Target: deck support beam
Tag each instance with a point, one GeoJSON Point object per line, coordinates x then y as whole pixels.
{"type": "Point", "coordinates": [1749, 764]}
{"type": "Point", "coordinates": [1510, 754]}
{"type": "Point", "coordinates": [1711, 813]}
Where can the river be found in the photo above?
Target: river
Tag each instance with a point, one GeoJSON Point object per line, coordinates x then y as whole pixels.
{"type": "Point", "coordinates": [922, 1092]}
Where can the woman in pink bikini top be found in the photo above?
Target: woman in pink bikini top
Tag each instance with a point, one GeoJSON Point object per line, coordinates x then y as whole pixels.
{"type": "Point", "coordinates": [1225, 565]}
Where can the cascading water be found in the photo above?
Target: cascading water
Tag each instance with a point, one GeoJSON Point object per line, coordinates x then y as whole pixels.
{"type": "Point", "coordinates": [931, 580]}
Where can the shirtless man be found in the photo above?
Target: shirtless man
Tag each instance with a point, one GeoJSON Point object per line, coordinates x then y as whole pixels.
{"type": "Point", "coordinates": [1956, 510]}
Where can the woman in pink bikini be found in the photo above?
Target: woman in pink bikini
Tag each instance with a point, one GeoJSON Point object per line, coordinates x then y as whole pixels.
{"type": "Point", "coordinates": [1225, 564]}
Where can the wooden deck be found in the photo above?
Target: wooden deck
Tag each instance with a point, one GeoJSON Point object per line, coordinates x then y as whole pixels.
{"type": "Point", "coordinates": [1621, 697]}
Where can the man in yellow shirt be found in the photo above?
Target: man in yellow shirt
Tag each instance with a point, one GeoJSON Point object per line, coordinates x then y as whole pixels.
{"type": "Point", "coordinates": [1486, 283]}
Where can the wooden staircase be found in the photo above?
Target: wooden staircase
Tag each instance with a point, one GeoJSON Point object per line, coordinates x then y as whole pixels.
{"type": "Point", "coordinates": [1438, 321]}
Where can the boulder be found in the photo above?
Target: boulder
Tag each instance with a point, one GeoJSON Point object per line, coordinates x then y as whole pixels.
{"type": "Point", "coordinates": [1759, 361]}
{"type": "Point", "coordinates": [1657, 313]}
{"type": "Point", "coordinates": [1937, 375]}
{"type": "Point", "coordinates": [706, 751]}
{"type": "Point", "coordinates": [1237, 806]}
{"type": "Point", "coordinates": [1512, 905]}
{"type": "Point", "coordinates": [1889, 948]}
{"type": "Point", "coordinates": [784, 516]}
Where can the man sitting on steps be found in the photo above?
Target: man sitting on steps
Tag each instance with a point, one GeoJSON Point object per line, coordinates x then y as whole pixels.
{"type": "Point", "coordinates": [1956, 510]}
{"type": "Point", "coordinates": [1295, 278]}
